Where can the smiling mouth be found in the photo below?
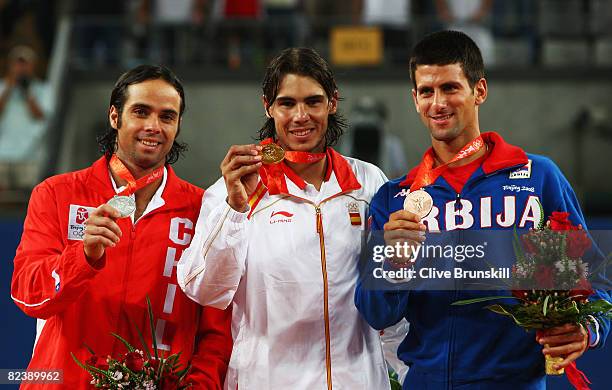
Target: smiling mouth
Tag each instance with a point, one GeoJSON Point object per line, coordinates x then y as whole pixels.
{"type": "Point", "coordinates": [301, 132]}
{"type": "Point", "coordinates": [441, 117]}
{"type": "Point", "coordinates": [149, 143]}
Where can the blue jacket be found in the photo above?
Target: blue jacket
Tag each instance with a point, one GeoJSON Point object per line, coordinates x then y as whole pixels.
{"type": "Point", "coordinates": [455, 346]}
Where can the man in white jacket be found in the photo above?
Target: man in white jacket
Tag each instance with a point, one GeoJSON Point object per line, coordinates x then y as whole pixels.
{"type": "Point", "coordinates": [280, 241]}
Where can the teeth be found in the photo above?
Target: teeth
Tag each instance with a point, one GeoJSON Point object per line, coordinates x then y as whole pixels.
{"type": "Point", "coordinates": [301, 133]}
{"type": "Point", "coordinates": [149, 143]}
{"type": "Point", "coordinates": [441, 118]}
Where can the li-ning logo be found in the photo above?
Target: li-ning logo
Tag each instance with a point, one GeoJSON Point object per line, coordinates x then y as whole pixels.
{"type": "Point", "coordinates": [280, 217]}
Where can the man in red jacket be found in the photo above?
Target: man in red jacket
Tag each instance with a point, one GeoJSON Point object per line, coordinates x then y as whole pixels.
{"type": "Point", "coordinates": [99, 241]}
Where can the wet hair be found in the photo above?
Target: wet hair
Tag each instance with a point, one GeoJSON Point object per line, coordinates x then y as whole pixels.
{"type": "Point", "coordinates": [303, 62]}
{"type": "Point", "coordinates": [445, 48]}
{"type": "Point", "coordinates": [107, 142]}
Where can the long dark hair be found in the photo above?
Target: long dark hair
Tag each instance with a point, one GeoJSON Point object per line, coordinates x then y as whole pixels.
{"type": "Point", "coordinates": [303, 62]}
{"type": "Point", "coordinates": [107, 142]}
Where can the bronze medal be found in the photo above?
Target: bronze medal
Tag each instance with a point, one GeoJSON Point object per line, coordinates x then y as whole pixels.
{"type": "Point", "coordinates": [418, 202]}
{"type": "Point", "coordinates": [272, 154]}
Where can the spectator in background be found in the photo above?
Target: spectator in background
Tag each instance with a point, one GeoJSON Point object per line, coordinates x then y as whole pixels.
{"type": "Point", "coordinates": [368, 140]}
{"type": "Point", "coordinates": [285, 25]}
{"type": "Point", "coordinates": [98, 31]}
{"type": "Point", "coordinates": [239, 31]}
{"type": "Point", "coordinates": [393, 17]}
{"type": "Point", "coordinates": [472, 18]}
{"type": "Point", "coordinates": [174, 25]}
{"type": "Point", "coordinates": [24, 110]}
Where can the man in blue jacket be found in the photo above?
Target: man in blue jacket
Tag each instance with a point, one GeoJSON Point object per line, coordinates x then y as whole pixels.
{"type": "Point", "coordinates": [476, 182]}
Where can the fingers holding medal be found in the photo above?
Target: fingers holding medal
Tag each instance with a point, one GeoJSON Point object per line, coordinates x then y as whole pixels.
{"type": "Point", "coordinates": [101, 231]}
{"type": "Point", "coordinates": [239, 169]}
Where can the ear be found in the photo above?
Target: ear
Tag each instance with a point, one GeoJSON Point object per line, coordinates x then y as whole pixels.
{"type": "Point", "coordinates": [333, 102]}
{"type": "Point", "coordinates": [414, 99]}
{"type": "Point", "coordinates": [113, 117]}
{"type": "Point", "coordinates": [266, 105]}
{"type": "Point", "coordinates": [480, 91]}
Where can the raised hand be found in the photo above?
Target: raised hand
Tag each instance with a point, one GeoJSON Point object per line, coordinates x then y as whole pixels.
{"type": "Point", "coordinates": [239, 170]}
{"type": "Point", "coordinates": [101, 231]}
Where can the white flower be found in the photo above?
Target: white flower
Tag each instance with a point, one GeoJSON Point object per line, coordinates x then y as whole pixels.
{"type": "Point", "coordinates": [117, 375]}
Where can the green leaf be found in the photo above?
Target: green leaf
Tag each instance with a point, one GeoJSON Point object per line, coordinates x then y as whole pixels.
{"type": "Point", "coordinates": [124, 341]}
{"type": "Point", "coordinates": [152, 324]}
{"type": "Point", "coordinates": [481, 299]}
{"type": "Point", "coordinates": [145, 347]}
{"type": "Point", "coordinates": [542, 218]}
{"type": "Point", "coordinates": [89, 349]}
{"type": "Point", "coordinates": [545, 305]}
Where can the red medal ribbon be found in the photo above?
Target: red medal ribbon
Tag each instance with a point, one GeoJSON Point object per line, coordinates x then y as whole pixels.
{"type": "Point", "coordinates": [133, 185]}
{"type": "Point", "coordinates": [427, 174]}
{"type": "Point", "coordinates": [576, 377]}
{"type": "Point", "coordinates": [273, 175]}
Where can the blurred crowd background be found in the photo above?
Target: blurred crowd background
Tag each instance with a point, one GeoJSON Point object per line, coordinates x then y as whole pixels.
{"type": "Point", "coordinates": [549, 67]}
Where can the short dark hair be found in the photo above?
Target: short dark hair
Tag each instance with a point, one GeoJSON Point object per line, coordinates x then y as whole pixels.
{"type": "Point", "coordinates": [445, 48]}
{"type": "Point", "coordinates": [301, 61]}
{"type": "Point", "coordinates": [107, 142]}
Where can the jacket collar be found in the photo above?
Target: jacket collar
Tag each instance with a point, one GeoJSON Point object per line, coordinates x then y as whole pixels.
{"type": "Point", "coordinates": [336, 163]}
{"type": "Point", "coordinates": [502, 155]}
{"type": "Point", "coordinates": [100, 181]}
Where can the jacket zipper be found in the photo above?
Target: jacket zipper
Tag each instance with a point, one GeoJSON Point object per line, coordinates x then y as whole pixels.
{"type": "Point", "coordinates": [319, 223]}
{"type": "Point", "coordinates": [125, 274]}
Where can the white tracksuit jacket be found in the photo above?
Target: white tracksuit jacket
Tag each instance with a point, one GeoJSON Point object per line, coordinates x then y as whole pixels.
{"type": "Point", "coordinates": [289, 265]}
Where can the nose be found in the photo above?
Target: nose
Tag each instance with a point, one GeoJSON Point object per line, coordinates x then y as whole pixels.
{"type": "Point", "coordinates": [153, 124]}
{"type": "Point", "coordinates": [301, 113]}
{"type": "Point", "coordinates": [439, 100]}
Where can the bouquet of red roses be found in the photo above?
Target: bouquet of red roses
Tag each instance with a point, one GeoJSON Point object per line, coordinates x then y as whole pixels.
{"type": "Point", "coordinates": [550, 282]}
{"type": "Point", "coordinates": [136, 369]}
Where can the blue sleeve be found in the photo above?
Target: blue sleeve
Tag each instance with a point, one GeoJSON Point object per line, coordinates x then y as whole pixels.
{"type": "Point", "coordinates": [560, 196]}
{"type": "Point", "coordinates": [380, 308]}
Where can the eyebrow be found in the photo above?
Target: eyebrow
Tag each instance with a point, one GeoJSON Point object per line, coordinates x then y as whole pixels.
{"type": "Point", "coordinates": [148, 107]}
{"type": "Point", "coordinates": [443, 85]}
{"type": "Point", "coordinates": [312, 97]}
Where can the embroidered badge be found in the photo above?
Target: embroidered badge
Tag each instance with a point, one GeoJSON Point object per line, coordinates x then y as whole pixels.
{"type": "Point", "coordinates": [523, 172]}
{"type": "Point", "coordinates": [76, 221]}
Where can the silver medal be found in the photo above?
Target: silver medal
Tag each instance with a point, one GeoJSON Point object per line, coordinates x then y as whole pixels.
{"type": "Point", "coordinates": [124, 204]}
{"type": "Point", "coordinates": [418, 202]}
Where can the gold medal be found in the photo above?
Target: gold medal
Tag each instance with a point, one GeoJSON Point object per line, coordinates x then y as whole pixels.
{"type": "Point", "coordinates": [272, 154]}
{"type": "Point", "coordinates": [418, 202]}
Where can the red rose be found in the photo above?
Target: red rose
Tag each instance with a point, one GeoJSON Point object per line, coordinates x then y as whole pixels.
{"type": "Point", "coordinates": [558, 221]}
{"type": "Point", "coordinates": [577, 243]}
{"type": "Point", "coordinates": [98, 362]}
{"type": "Point", "coordinates": [134, 361]}
{"type": "Point", "coordinates": [169, 382]}
{"type": "Point", "coordinates": [544, 277]}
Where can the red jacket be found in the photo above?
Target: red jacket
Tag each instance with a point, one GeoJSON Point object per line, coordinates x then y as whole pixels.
{"type": "Point", "coordinates": [82, 305]}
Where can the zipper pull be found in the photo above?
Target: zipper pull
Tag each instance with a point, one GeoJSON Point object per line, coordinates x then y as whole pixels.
{"type": "Point", "coordinates": [319, 220]}
{"type": "Point", "coordinates": [458, 202]}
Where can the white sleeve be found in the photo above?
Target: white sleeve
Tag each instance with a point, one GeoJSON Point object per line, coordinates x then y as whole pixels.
{"type": "Point", "coordinates": [210, 270]}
